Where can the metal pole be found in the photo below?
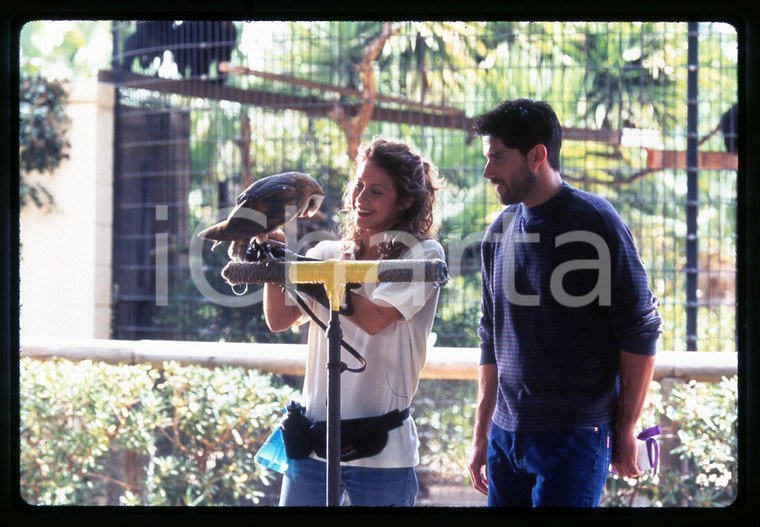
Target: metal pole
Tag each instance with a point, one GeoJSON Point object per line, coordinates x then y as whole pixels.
{"type": "Point", "coordinates": [692, 192]}
{"type": "Point", "coordinates": [334, 336]}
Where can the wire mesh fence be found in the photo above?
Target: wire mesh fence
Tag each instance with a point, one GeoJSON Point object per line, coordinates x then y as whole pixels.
{"type": "Point", "coordinates": [205, 108]}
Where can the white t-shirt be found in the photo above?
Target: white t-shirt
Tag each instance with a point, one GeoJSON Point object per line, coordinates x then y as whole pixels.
{"type": "Point", "coordinates": [395, 356]}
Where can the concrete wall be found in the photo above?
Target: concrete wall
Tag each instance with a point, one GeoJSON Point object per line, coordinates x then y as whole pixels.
{"type": "Point", "coordinates": [65, 265]}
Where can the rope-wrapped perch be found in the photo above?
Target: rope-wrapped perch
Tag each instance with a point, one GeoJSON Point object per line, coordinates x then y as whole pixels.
{"type": "Point", "coordinates": [433, 271]}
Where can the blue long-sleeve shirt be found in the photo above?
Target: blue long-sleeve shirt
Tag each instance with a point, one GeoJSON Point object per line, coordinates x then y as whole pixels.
{"type": "Point", "coordinates": [564, 291]}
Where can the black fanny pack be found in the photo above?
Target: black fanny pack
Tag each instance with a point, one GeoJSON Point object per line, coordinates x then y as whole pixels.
{"type": "Point", "coordinates": [361, 437]}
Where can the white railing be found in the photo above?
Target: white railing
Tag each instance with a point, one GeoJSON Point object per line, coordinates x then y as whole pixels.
{"type": "Point", "coordinates": [290, 359]}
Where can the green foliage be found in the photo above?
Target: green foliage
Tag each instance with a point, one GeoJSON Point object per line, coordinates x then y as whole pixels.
{"type": "Point", "coordinates": [707, 430]}
{"type": "Point", "coordinates": [444, 411]}
{"type": "Point", "coordinates": [65, 49]}
{"type": "Point", "coordinates": [42, 134]}
{"type": "Point", "coordinates": [98, 434]}
{"type": "Point", "coordinates": [185, 435]}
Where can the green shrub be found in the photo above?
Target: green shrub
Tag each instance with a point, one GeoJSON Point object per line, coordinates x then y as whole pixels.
{"type": "Point", "coordinates": [93, 433]}
{"type": "Point", "coordinates": [43, 125]}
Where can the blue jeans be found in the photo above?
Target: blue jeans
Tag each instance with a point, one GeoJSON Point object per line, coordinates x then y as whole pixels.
{"type": "Point", "coordinates": [304, 484]}
{"type": "Point", "coordinates": [563, 468]}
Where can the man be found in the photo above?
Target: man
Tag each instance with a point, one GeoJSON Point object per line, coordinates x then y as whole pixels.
{"type": "Point", "coordinates": [568, 330]}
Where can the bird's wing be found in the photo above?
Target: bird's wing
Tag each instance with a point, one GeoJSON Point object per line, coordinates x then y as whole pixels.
{"type": "Point", "coordinates": [270, 200]}
{"type": "Point", "coordinates": [267, 188]}
{"type": "Point", "coordinates": [262, 207]}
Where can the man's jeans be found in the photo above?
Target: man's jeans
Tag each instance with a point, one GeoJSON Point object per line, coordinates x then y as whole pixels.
{"type": "Point", "coordinates": [563, 468]}
{"type": "Point", "coordinates": [304, 484]}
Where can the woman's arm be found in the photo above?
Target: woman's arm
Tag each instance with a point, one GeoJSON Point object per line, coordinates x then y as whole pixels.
{"type": "Point", "coordinates": [279, 315]}
{"type": "Point", "coordinates": [371, 317]}
{"type": "Point", "coordinates": [392, 302]}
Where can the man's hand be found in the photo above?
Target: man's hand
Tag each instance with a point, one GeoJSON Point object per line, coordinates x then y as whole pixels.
{"type": "Point", "coordinates": [478, 470]}
{"type": "Point", "coordinates": [487, 383]}
{"type": "Point", "coordinates": [624, 453]}
{"type": "Point", "coordinates": [635, 376]}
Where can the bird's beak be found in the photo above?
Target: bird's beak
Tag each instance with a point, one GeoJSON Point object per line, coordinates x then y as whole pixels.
{"type": "Point", "coordinates": [312, 205]}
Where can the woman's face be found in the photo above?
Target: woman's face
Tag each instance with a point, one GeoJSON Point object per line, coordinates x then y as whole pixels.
{"type": "Point", "coordinates": [375, 199]}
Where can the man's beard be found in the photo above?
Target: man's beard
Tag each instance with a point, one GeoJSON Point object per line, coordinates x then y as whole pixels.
{"type": "Point", "coordinates": [518, 187]}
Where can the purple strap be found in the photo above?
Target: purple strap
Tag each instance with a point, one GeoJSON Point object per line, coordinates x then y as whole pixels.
{"type": "Point", "coordinates": [653, 449]}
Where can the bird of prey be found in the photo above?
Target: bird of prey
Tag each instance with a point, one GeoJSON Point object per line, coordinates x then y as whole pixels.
{"type": "Point", "coordinates": [263, 207]}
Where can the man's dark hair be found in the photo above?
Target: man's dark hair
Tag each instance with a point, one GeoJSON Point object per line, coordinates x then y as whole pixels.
{"type": "Point", "coordinates": [522, 124]}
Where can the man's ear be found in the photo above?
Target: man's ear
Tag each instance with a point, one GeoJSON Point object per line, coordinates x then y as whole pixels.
{"type": "Point", "coordinates": [537, 156]}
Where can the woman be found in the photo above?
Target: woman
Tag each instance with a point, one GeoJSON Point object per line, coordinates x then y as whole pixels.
{"type": "Point", "coordinates": [389, 214]}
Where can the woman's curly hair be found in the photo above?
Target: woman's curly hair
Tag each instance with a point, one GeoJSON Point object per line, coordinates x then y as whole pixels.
{"type": "Point", "coordinates": [413, 176]}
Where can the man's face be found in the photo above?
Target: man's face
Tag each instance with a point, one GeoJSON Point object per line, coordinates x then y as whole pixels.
{"type": "Point", "coordinates": [507, 169]}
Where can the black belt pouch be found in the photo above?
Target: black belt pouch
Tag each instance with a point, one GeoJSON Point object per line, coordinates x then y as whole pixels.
{"type": "Point", "coordinates": [362, 437]}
